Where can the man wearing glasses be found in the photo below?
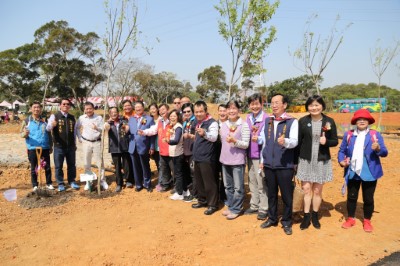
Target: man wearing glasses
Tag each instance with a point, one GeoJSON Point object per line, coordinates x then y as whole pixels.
{"type": "Point", "coordinates": [177, 104]}
{"type": "Point", "coordinates": [62, 125]}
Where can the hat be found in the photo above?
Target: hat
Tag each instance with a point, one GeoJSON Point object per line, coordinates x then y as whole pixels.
{"type": "Point", "coordinates": [362, 113]}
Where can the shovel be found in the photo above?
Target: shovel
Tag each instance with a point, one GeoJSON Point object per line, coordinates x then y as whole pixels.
{"type": "Point", "coordinates": [42, 190]}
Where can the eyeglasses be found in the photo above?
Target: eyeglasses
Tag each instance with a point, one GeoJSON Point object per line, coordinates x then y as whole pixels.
{"type": "Point", "coordinates": [176, 102]}
{"type": "Point", "coordinates": [186, 112]}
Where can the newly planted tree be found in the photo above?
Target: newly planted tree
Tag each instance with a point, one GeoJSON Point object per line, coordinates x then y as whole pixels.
{"type": "Point", "coordinates": [380, 61]}
{"type": "Point", "coordinates": [244, 27]}
{"type": "Point", "coordinates": [121, 36]}
{"type": "Point", "coordinates": [316, 52]}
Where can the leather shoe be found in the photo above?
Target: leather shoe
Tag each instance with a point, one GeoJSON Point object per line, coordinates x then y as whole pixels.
{"type": "Point", "coordinates": [287, 230]}
{"type": "Point", "coordinates": [210, 210]}
{"type": "Point", "coordinates": [262, 216]}
{"type": "Point", "coordinates": [118, 189]}
{"type": "Point", "coordinates": [138, 189]}
{"type": "Point", "coordinates": [149, 189]}
{"type": "Point", "coordinates": [268, 224]}
{"type": "Point", "coordinates": [199, 205]}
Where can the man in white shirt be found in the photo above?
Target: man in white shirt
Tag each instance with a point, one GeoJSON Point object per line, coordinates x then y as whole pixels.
{"type": "Point", "coordinates": [88, 131]}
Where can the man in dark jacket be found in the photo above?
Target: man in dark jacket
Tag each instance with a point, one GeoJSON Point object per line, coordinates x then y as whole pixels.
{"type": "Point", "coordinates": [279, 138]}
{"type": "Point", "coordinates": [205, 158]}
{"type": "Point", "coordinates": [62, 125]}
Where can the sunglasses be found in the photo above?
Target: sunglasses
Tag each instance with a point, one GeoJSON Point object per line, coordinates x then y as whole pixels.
{"type": "Point", "coordinates": [186, 112]}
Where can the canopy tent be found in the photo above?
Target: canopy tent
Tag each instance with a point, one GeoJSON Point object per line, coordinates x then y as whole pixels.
{"type": "Point", "coordinates": [6, 104]}
{"type": "Point", "coordinates": [19, 103]}
{"type": "Point", "coordinates": [111, 101]}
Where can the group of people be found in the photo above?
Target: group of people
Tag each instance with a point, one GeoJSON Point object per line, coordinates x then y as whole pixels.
{"type": "Point", "coordinates": [202, 160]}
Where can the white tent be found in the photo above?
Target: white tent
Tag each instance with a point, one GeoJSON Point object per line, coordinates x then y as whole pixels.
{"type": "Point", "coordinates": [17, 102]}
{"type": "Point", "coordinates": [6, 104]}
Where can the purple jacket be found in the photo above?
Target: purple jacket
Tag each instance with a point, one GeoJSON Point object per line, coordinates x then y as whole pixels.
{"type": "Point", "coordinates": [254, 150]}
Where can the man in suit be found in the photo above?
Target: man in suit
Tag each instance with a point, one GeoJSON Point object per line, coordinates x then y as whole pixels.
{"type": "Point", "coordinates": [140, 147]}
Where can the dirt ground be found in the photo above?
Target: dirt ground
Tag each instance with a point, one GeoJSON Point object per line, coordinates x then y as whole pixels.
{"type": "Point", "coordinates": [133, 228]}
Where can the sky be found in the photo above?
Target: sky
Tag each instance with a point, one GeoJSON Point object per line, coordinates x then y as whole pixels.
{"type": "Point", "coordinates": [184, 39]}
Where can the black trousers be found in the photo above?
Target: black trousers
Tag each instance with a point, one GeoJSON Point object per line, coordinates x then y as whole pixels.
{"type": "Point", "coordinates": [181, 181]}
{"type": "Point", "coordinates": [47, 169]}
{"type": "Point", "coordinates": [167, 169]}
{"type": "Point", "coordinates": [368, 191]}
{"type": "Point", "coordinates": [188, 173]}
{"type": "Point", "coordinates": [206, 183]}
{"type": "Point", "coordinates": [121, 161]}
{"type": "Point", "coordinates": [128, 168]}
{"type": "Point", "coordinates": [280, 179]}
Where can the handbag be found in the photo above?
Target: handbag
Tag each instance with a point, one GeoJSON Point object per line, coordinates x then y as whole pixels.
{"type": "Point", "coordinates": [298, 196]}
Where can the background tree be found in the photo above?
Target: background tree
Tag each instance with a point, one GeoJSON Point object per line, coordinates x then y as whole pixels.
{"type": "Point", "coordinates": [247, 85]}
{"type": "Point", "coordinates": [17, 77]}
{"type": "Point", "coordinates": [380, 60]}
{"type": "Point", "coordinates": [212, 83]}
{"type": "Point", "coordinates": [163, 87]}
{"type": "Point", "coordinates": [61, 49]}
{"type": "Point", "coordinates": [298, 89]}
{"type": "Point", "coordinates": [124, 81]}
{"type": "Point", "coordinates": [316, 53]}
{"type": "Point", "coordinates": [244, 28]}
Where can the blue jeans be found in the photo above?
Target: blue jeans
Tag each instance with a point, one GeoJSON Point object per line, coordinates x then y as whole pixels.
{"type": "Point", "coordinates": [59, 155]}
{"type": "Point", "coordinates": [234, 186]}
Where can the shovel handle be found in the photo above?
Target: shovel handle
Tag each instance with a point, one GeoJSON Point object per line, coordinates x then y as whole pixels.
{"type": "Point", "coordinates": [38, 156]}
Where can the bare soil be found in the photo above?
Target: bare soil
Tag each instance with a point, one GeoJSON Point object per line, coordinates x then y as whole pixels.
{"type": "Point", "coordinates": [132, 228]}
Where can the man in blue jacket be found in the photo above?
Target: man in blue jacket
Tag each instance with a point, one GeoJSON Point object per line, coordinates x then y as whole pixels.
{"type": "Point", "coordinates": [33, 129]}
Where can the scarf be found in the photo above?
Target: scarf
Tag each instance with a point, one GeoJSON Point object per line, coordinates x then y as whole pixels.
{"type": "Point", "coordinates": [358, 152]}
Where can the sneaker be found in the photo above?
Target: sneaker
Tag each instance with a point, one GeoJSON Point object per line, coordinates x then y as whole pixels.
{"type": "Point", "coordinates": [350, 222]}
{"type": "Point", "coordinates": [35, 188]}
{"type": "Point", "coordinates": [74, 185]}
{"type": "Point", "coordinates": [185, 193]}
{"type": "Point", "coordinates": [129, 185]}
{"type": "Point", "coordinates": [61, 187]}
{"type": "Point", "coordinates": [104, 184]}
{"type": "Point", "coordinates": [87, 186]}
{"type": "Point", "coordinates": [226, 212]}
{"type": "Point", "coordinates": [50, 187]}
{"type": "Point", "coordinates": [158, 187]}
{"type": "Point", "coordinates": [232, 216]}
{"type": "Point", "coordinates": [188, 198]}
{"type": "Point", "coordinates": [367, 226]}
{"type": "Point", "coordinates": [176, 196]}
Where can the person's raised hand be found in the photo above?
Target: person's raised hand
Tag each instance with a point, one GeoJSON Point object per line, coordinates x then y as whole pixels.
{"type": "Point", "coordinates": [322, 139]}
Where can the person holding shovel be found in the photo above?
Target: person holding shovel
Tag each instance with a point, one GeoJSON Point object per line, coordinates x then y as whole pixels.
{"type": "Point", "coordinates": [38, 142]}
